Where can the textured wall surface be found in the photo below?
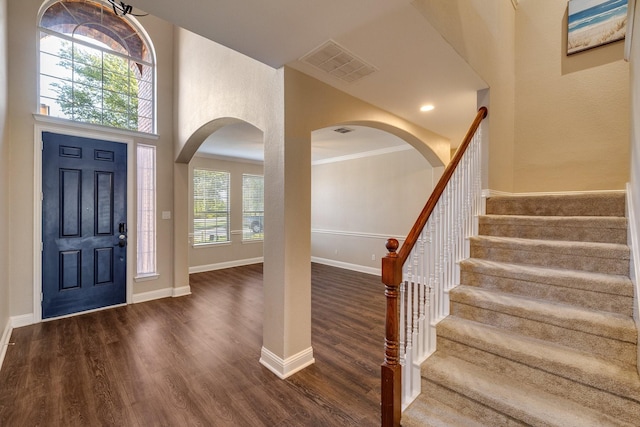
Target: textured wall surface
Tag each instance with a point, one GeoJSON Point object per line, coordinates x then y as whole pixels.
{"type": "Point", "coordinates": [572, 112]}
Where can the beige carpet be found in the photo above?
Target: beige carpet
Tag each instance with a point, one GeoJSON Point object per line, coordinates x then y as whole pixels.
{"type": "Point", "coordinates": [540, 331]}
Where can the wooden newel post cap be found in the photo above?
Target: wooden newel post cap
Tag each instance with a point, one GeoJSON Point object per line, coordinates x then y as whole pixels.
{"type": "Point", "coordinates": [392, 246]}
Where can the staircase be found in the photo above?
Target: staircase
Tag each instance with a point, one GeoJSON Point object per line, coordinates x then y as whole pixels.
{"type": "Point", "coordinates": [541, 330]}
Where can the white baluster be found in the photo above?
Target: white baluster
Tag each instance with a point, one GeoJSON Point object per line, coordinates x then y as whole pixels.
{"type": "Point", "coordinates": [432, 268]}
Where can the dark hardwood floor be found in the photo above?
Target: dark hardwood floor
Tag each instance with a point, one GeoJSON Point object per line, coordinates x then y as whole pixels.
{"type": "Point", "coordinates": [193, 361]}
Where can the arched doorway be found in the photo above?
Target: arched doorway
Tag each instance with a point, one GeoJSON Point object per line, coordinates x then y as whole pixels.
{"type": "Point", "coordinates": [367, 185]}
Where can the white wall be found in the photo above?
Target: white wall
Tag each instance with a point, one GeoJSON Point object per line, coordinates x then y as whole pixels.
{"type": "Point", "coordinates": [4, 180]}
{"type": "Point", "coordinates": [356, 205]}
{"type": "Point", "coordinates": [634, 185]}
{"type": "Point", "coordinates": [236, 252]}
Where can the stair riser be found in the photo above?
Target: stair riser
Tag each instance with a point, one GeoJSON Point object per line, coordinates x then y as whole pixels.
{"type": "Point", "coordinates": [551, 259]}
{"type": "Point", "coordinates": [468, 407]}
{"type": "Point", "coordinates": [578, 297]}
{"type": "Point", "coordinates": [615, 350]}
{"type": "Point", "coordinates": [578, 205]}
{"type": "Point", "coordinates": [504, 412]}
{"type": "Point", "coordinates": [426, 411]}
{"type": "Point", "coordinates": [587, 395]}
{"type": "Point", "coordinates": [596, 235]}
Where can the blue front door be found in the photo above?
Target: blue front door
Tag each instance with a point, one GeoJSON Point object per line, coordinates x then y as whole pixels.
{"type": "Point", "coordinates": [84, 224]}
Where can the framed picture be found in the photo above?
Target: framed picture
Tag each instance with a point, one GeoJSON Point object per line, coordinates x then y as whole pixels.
{"type": "Point", "coordinates": [593, 23]}
{"type": "Point", "coordinates": [631, 13]}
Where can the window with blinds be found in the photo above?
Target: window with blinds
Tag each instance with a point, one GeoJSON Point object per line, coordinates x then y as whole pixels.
{"type": "Point", "coordinates": [252, 207]}
{"type": "Point", "coordinates": [210, 206]}
{"type": "Point", "coordinates": [146, 181]}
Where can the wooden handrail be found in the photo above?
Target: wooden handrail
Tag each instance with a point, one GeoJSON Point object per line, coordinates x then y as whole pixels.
{"type": "Point", "coordinates": [391, 370]}
{"type": "Point", "coordinates": [413, 235]}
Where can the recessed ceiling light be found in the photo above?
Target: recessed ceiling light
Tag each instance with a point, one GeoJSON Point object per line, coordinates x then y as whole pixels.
{"type": "Point", "coordinates": [427, 108]}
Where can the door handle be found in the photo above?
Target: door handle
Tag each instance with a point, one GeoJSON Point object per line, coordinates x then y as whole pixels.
{"type": "Point", "coordinates": [122, 238]}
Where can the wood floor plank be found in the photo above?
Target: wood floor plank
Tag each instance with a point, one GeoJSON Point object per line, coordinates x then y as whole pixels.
{"type": "Point", "coordinates": [193, 360]}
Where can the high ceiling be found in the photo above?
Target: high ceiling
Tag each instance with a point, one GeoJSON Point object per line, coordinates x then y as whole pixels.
{"type": "Point", "coordinates": [414, 64]}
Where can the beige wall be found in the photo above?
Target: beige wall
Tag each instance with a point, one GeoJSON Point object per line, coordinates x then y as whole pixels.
{"type": "Point", "coordinates": [556, 123]}
{"type": "Point", "coordinates": [209, 257]}
{"type": "Point", "coordinates": [221, 86]}
{"type": "Point", "coordinates": [216, 87]}
{"type": "Point", "coordinates": [350, 221]}
{"type": "Point", "coordinates": [311, 104]}
{"type": "Point", "coordinates": [4, 173]}
{"type": "Point", "coordinates": [161, 34]}
{"type": "Point", "coordinates": [22, 99]}
{"type": "Point", "coordinates": [483, 33]}
{"type": "Point", "coordinates": [572, 113]}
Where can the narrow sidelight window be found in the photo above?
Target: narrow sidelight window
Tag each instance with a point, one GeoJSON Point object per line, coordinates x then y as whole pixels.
{"type": "Point", "coordinates": [146, 249]}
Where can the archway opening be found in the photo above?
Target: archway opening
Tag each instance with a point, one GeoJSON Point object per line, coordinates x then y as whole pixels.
{"type": "Point", "coordinates": [226, 198]}
{"type": "Point", "coordinates": [367, 185]}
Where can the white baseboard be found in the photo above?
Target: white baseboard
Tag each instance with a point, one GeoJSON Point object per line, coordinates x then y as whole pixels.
{"type": "Point", "coordinates": [223, 265]}
{"type": "Point", "coordinates": [633, 241]}
{"type": "Point", "coordinates": [376, 271]}
{"type": "Point", "coordinates": [4, 341]}
{"type": "Point", "coordinates": [161, 293]}
{"type": "Point", "coordinates": [181, 291]}
{"type": "Point", "coordinates": [22, 320]}
{"type": "Point", "coordinates": [284, 368]}
{"type": "Point", "coordinates": [151, 295]}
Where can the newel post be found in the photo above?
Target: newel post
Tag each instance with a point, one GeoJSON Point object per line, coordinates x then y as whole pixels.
{"type": "Point", "coordinates": [390, 398]}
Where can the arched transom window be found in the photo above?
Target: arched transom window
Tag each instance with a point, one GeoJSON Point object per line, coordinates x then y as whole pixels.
{"type": "Point", "coordinates": [95, 66]}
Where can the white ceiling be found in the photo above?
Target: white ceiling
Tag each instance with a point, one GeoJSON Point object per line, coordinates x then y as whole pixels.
{"type": "Point", "coordinates": [416, 66]}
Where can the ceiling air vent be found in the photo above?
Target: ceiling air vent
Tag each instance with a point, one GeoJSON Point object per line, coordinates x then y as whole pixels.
{"type": "Point", "coordinates": [343, 130]}
{"type": "Point", "coordinates": [339, 62]}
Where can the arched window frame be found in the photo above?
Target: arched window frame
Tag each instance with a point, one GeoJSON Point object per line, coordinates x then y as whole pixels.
{"type": "Point", "coordinates": [117, 47]}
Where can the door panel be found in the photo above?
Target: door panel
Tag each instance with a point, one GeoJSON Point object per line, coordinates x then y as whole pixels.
{"type": "Point", "coordinates": [83, 210]}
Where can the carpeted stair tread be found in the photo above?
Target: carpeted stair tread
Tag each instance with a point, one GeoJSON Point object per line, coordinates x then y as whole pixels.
{"type": "Point", "coordinates": [591, 204]}
{"type": "Point", "coordinates": [520, 401]}
{"type": "Point", "coordinates": [590, 249]}
{"type": "Point", "coordinates": [426, 412]}
{"type": "Point", "coordinates": [607, 258]}
{"type": "Point", "coordinates": [552, 358]}
{"type": "Point", "coordinates": [585, 280]}
{"type": "Point", "coordinates": [608, 325]}
{"type": "Point", "coordinates": [575, 228]}
{"type": "Point", "coordinates": [541, 329]}
{"type": "Point", "coordinates": [603, 292]}
{"type": "Point", "coordinates": [595, 398]}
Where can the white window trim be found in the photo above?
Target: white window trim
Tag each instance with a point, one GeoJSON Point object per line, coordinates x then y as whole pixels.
{"type": "Point", "coordinates": [192, 208]}
{"type": "Point", "coordinates": [260, 240]}
{"type": "Point", "coordinates": [147, 275]}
